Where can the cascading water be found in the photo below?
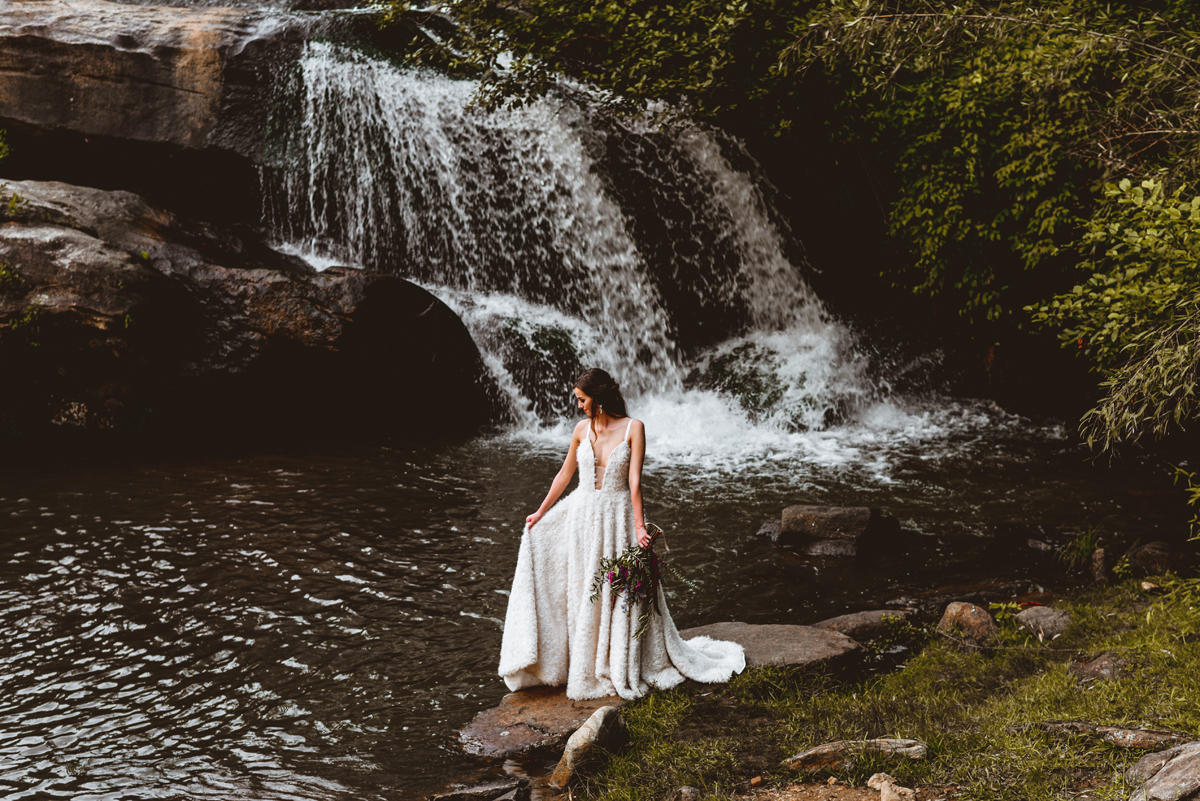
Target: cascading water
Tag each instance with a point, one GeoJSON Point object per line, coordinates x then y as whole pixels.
{"type": "Point", "coordinates": [316, 626]}
{"type": "Point", "coordinates": [563, 236]}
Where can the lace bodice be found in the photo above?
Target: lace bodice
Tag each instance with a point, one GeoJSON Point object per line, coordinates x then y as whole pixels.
{"type": "Point", "coordinates": [616, 474]}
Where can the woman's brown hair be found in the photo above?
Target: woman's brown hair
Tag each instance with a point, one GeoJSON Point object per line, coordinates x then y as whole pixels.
{"type": "Point", "coordinates": [605, 393]}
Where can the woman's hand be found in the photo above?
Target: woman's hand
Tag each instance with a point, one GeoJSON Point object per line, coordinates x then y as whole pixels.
{"type": "Point", "coordinates": [643, 537]}
{"type": "Point", "coordinates": [533, 518]}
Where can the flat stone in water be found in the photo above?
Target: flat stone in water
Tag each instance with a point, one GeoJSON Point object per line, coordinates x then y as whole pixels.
{"type": "Point", "coordinates": [780, 644]}
{"type": "Point", "coordinates": [863, 626]}
{"type": "Point", "coordinates": [540, 717]}
{"type": "Point", "coordinates": [483, 792]}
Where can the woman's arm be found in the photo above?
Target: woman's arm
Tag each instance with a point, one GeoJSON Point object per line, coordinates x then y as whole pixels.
{"type": "Point", "coordinates": [637, 445]}
{"type": "Point", "coordinates": [561, 480]}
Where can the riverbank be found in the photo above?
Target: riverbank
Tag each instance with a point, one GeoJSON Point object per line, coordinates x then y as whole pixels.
{"type": "Point", "coordinates": [982, 711]}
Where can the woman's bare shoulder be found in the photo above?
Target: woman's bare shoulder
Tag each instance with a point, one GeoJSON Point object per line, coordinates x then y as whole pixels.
{"type": "Point", "coordinates": [580, 427]}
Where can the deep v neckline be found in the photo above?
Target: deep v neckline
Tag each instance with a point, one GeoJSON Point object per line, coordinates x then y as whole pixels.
{"type": "Point", "coordinates": [596, 459]}
{"type": "Point", "coordinates": [600, 481]}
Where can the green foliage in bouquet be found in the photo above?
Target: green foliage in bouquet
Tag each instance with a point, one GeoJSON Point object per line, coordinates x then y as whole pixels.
{"type": "Point", "coordinates": [636, 574]}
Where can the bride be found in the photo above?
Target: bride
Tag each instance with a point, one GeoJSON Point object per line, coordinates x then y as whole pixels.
{"type": "Point", "coordinates": [552, 633]}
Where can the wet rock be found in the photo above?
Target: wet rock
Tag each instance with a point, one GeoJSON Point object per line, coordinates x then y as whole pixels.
{"type": "Point", "coordinates": [1171, 775]}
{"type": "Point", "coordinates": [686, 793]}
{"type": "Point", "coordinates": [1041, 547]}
{"type": "Point", "coordinates": [834, 530]}
{"type": "Point", "coordinates": [781, 644]}
{"type": "Point", "coordinates": [119, 316]}
{"type": "Point", "coordinates": [1154, 558]}
{"type": "Point", "coordinates": [528, 720]}
{"type": "Point", "coordinates": [888, 789]}
{"type": "Point", "coordinates": [518, 794]}
{"type": "Point", "coordinates": [516, 789]}
{"type": "Point", "coordinates": [970, 622]}
{"type": "Point", "coordinates": [1044, 622]}
{"type": "Point", "coordinates": [603, 732]}
{"type": "Point", "coordinates": [770, 529]}
{"type": "Point", "coordinates": [843, 753]}
{"type": "Point", "coordinates": [863, 626]}
{"type": "Point", "coordinates": [1140, 739]}
{"type": "Point", "coordinates": [542, 360]}
{"type": "Point", "coordinates": [1105, 666]}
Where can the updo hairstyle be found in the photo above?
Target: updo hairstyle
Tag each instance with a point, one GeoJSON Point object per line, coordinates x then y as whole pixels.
{"type": "Point", "coordinates": [604, 391]}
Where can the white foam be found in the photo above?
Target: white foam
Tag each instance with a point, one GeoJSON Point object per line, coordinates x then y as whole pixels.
{"type": "Point", "coordinates": [315, 258]}
{"type": "Point", "coordinates": [508, 217]}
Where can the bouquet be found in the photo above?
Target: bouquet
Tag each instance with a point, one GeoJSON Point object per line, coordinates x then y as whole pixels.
{"type": "Point", "coordinates": [636, 574]}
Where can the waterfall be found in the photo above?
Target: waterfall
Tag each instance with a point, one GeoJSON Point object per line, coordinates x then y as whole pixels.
{"type": "Point", "coordinates": [564, 236]}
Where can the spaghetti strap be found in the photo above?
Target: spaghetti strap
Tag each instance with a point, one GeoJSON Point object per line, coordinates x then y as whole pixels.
{"type": "Point", "coordinates": [627, 428]}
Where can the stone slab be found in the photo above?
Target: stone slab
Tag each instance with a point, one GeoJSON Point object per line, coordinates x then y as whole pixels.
{"type": "Point", "coordinates": [528, 720]}
{"type": "Point", "coordinates": [827, 522]}
{"type": "Point", "coordinates": [862, 626]}
{"type": "Point", "coordinates": [833, 531]}
{"type": "Point", "coordinates": [1168, 775]}
{"type": "Point", "coordinates": [780, 644]}
{"type": "Point", "coordinates": [140, 73]}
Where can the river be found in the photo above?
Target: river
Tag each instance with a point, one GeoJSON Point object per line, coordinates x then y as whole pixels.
{"type": "Point", "coordinates": [315, 623]}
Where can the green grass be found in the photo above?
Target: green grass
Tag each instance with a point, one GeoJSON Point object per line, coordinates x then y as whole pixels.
{"type": "Point", "coordinates": [978, 711]}
{"type": "Point", "coordinates": [9, 277]}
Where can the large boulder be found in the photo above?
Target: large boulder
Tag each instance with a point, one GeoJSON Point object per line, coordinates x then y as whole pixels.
{"type": "Point", "coordinates": [780, 644]}
{"type": "Point", "coordinates": [170, 102]}
{"type": "Point", "coordinates": [833, 530]}
{"type": "Point", "coordinates": [117, 315]}
{"type": "Point", "coordinates": [178, 77]}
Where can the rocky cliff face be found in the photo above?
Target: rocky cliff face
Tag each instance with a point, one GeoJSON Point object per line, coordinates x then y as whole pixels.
{"type": "Point", "coordinates": [118, 315]}
{"type": "Point", "coordinates": [171, 76]}
{"type": "Point", "coordinates": [169, 102]}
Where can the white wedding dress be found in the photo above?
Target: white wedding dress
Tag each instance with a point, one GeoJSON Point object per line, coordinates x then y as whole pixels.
{"type": "Point", "coordinates": [554, 635]}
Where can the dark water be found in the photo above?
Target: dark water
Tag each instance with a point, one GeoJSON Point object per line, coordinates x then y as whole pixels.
{"type": "Point", "coordinates": [316, 626]}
